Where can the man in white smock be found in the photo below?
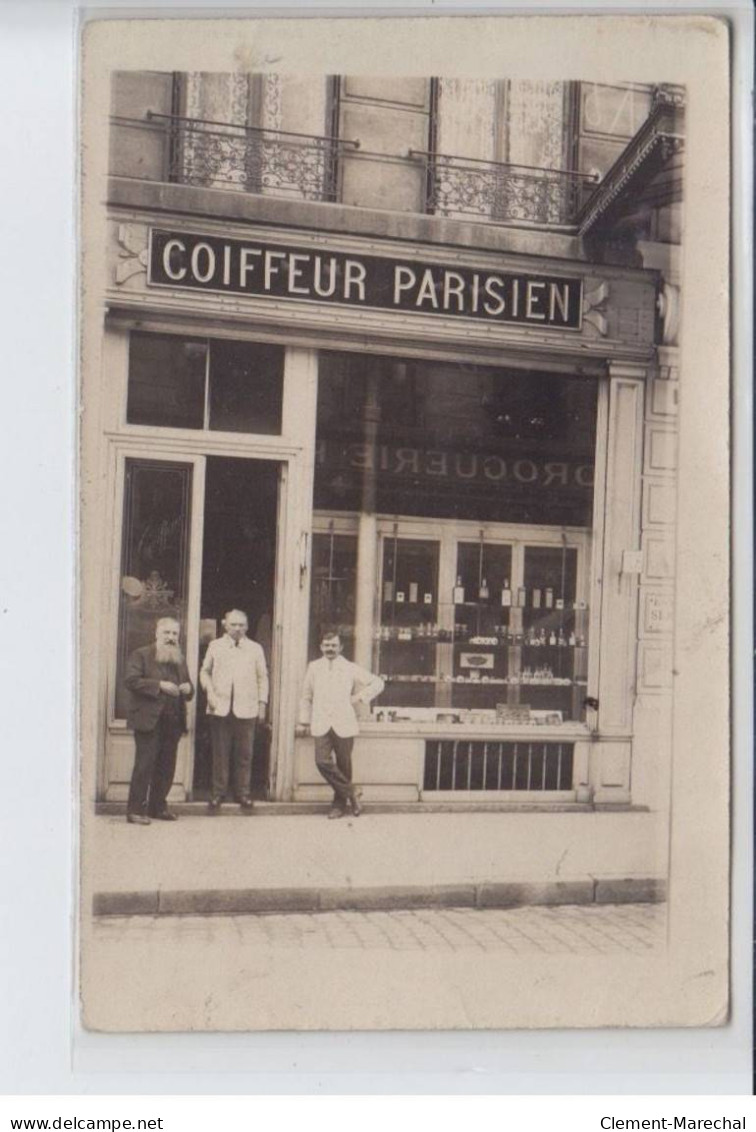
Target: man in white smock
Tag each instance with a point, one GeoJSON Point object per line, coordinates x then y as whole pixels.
{"type": "Point", "coordinates": [333, 686]}
{"type": "Point", "coordinates": [235, 678]}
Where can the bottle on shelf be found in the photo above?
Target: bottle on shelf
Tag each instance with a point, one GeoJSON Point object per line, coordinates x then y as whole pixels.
{"type": "Point", "coordinates": [572, 639]}
{"type": "Point", "coordinates": [561, 640]}
{"type": "Point", "coordinates": [388, 591]}
{"type": "Point", "coordinates": [552, 638]}
{"type": "Point", "coordinates": [536, 599]}
{"type": "Point", "coordinates": [483, 591]}
{"type": "Point", "coordinates": [522, 597]}
{"type": "Point", "coordinates": [549, 598]}
{"type": "Point", "coordinates": [459, 592]}
{"type": "Point", "coordinates": [413, 591]}
{"type": "Point", "coordinates": [506, 594]}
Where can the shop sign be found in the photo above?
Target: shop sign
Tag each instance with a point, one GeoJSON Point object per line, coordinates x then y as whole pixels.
{"type": "Point", "coordinates": [240, 267]}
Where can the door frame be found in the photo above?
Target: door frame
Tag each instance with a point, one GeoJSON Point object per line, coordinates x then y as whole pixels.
{"type": "Point", "coordinates": [196, 565]}
{"type": "Point", "coordinates": [115, 732]}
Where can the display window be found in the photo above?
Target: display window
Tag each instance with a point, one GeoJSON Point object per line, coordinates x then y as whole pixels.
{"type": "Point", "coordinates": [478, 487]}
{"type": "Point", "coordinates": [454, 441]}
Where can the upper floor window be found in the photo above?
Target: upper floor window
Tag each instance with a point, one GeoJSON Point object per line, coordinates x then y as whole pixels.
{"type": "Point", "coordinates": [204, 383]}
{"type": "Point", "coordinates": [605, 118]}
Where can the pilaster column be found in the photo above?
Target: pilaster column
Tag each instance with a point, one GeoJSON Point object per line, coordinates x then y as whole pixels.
{"type": "Point", "coordinates": [620, 568]}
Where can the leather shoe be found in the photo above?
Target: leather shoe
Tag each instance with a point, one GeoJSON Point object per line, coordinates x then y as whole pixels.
{"type": "Point", "coordinates": [164, 815]}
{"type": "Point", "coordinates": [355, 797]}
{"type": "Point", "coordinates": [137, 819]}
{"type": "Point", "coordinates": [213, 806]}
{"type": "Point", "coordinates": [246, 805]}
{"type": "Point", "coordinates": [336, 812]}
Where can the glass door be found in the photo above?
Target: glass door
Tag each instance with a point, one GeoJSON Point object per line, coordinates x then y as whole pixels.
{"type": "Point", "coordinates": [153, 579]}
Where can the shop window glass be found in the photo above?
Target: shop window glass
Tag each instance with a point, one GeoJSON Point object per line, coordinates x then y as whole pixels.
{"type": "Point", "coordinates": [480, 669]}
{"type": "Point", "coordinates": [246, 387]}
{"type": "Point", "coordinates": [197, 383]}
{"type": "Point", "coordinates": [481, 484]}
{"type": "Point", "coordinates": [154, 557]}
{"type": "Point", "coordinates": [334, 564]}
{"type": "Point", "coordinates": [444, 440]}
{"type": "Point", "coordinates": [166, 381]}
{"type": "Point", "coordinates": [408, 629]}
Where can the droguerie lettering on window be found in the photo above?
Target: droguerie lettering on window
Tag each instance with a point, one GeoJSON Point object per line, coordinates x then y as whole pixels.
{"type": "Point", "coordinates": [212, 263]}
{"type": "Point", "coordinates": [479, 483]}
{"type": "Point", "coordinates": [446, 440]}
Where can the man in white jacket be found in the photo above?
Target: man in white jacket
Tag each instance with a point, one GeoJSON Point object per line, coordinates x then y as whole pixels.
{"type": "Point", "coordinates": [332, 688]}
{"type": "Point", "coordinates": [235, 678]}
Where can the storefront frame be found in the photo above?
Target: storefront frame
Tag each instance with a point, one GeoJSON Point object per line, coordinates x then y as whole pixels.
{"type": "Point", "coordinates": [604, 747]}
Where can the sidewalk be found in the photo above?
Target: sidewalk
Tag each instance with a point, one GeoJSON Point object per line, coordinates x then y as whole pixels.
{"type": "Point", "coordinates": [276, 861]}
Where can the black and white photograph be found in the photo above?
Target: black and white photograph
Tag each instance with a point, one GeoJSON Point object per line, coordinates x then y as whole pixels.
{"type": "Point", "coordinates": [404, 525]}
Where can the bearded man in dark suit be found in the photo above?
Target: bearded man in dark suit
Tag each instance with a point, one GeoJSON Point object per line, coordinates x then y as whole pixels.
{"type": "Point", "coordinates": [158, 680]}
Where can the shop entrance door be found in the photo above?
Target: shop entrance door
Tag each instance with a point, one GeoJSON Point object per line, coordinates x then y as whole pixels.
{"type": "Point", "coordinates": [238, 572]}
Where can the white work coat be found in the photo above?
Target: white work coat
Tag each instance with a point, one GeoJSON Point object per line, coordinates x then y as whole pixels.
{"type": "Point", "coordinates": [242, 669]}
{"type": "Point", "coordinates": [329, 687]}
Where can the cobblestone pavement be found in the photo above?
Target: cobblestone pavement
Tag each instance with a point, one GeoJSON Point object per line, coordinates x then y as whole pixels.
{"type": "Point", "coordinates": [575, 929]}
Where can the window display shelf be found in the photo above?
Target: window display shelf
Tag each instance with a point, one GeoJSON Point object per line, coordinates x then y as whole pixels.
{"type": "Point", "coordinates": [471, 620]}
{"type": "Point", "coordinates": [485, 681]}
{"type": "Point", "coordinates": [407, 637]}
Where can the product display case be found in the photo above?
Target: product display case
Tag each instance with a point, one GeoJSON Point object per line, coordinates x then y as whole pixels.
{"type": "Point", "coordinates": [507, 642]}
{"type": "Point", "coordinates": [479, 627]}
{"type": "Point", "coordinates": [332, 603]}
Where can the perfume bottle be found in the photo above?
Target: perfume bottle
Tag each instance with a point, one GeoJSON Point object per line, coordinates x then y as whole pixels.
{"type": "Point", "coordinates": [459, 592]}
{"type": "Point", "coordinates": [506, 594]}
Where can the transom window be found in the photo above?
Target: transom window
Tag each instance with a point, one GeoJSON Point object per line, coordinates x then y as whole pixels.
{"type": "Point", "coordinates": [204, 383]}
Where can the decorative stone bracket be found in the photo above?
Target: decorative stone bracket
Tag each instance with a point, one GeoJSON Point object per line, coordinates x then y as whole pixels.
{"type": "Point", "coordinates": [594, 306]}
{"type": "Point", "coordinates": [133, 257]}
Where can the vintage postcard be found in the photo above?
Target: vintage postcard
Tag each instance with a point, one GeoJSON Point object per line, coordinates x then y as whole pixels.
{"type": "Point", "coordinates": [405, 523]}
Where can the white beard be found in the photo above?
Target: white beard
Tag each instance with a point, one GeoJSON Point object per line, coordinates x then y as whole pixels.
{"type": "Point", "coordinates": [168, 654]}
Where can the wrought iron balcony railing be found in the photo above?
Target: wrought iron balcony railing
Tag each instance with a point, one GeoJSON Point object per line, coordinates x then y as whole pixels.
{"type": "Point", "coordinates": [503, 193]}
{"type": "Point", "coordinates": [255, 159]}
{"type": "Point", "coordinates": [251, 158]}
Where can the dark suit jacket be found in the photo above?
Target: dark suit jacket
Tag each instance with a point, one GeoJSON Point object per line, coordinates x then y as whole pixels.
{"type": "Point", "coordinates": [143, 676]}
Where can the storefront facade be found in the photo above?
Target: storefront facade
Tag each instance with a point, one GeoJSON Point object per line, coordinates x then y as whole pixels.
{"type": "Point", "coordinates": [454, 441]}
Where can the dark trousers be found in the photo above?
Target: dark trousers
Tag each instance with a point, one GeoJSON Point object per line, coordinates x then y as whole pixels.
{"type": "Point", "coordinates": [154, 766]}
{"type": "Point", "coordinates": [333, 758]}
{"type": "Point", "coordinates": [232, 738]}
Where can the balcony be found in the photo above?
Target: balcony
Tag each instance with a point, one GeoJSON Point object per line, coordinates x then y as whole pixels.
{"type": "Point", "coordinates": [309, 167]}
{"type": "Point", "coordinates": [250, 159]}
{"type": "Point", "coordinates": [503, 193]}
